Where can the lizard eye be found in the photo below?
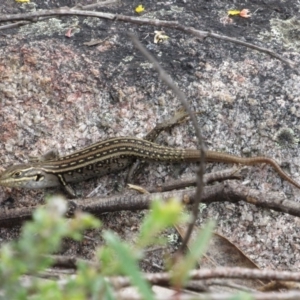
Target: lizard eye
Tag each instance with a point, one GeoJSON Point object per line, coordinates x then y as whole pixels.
{"type": "Point", "coordinates": [39, 177]}
{"type": "Point", "coordinates": [17, 174]}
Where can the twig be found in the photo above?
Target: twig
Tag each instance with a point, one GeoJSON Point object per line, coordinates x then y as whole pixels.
{"type": "Point", "coordinates": [226, 283]}
{"type": "Point", "coordinates": [98, 4]}
{"type": "Point", "coordinates": [229, 191]}
{"type": "Point", "coordinates": [180, 95]}
{"type": "Point", "coordinates": [232, 173]}
{"type": "Point", "coordinates": [231, 273]}
{"type": "Point", "coordinates": [290, 295]}
{"type": "Point", "coordinates": [164, 278]}
{"type": "Point", "coordinates": [142, 21]}
{"type": "Point", "coordinates": [70, 262]}
{"type": "Point", "coordinates": [85, 7]}
{"type": "Point", "coordinates": [16, 24]}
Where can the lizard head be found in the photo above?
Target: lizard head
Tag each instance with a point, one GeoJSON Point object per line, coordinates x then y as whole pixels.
{"type": "Point", "coordinates": [27, 176]}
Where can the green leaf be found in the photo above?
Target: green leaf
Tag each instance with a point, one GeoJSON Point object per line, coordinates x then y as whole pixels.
{"type": "Point", "coordinates": [196, 250]}
{"type": "Point", "coordinates": [161, 216]}
{"type": "Point", "coordinates": [241, 296]}
{"type": "Point", "coordinates": [129, 264]}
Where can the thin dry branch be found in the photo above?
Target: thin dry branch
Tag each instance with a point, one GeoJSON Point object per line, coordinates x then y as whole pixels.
{"type": "Point", "coordinates": [78, 6]}
{"type": "Point", "coordinates": [230, 191]}
{"type": "Point", "coordinates": [292, 295]}
{"type": "Point", "coordinates": [166, 78]}
{"type": "Point", "coordinates": [70, 262]}
{"type": "Point", "coordinates": [228, 273]}
{"type": "Point", "coordinates": [16, 24]}
{"type": "Point", "coordinates": [34, 16]}
{"type": "Point", "coordinates": [222, 175]}
{"type": "Point", "coordinates": [165, 278]}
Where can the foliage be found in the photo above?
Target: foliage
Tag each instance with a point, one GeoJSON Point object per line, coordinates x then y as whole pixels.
{"type": "Point", "coordinates": [43, 235]}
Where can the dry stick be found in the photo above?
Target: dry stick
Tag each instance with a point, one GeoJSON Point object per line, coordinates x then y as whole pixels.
{"type": "Point", "coordinates": [16, 24]}
{"type": "Point", "coordinates": [96, 5]}
{"type": "Point", "coordinates": [166, 78]}
{"type": "Point", "coordinates": [70, 262]}
{"type": "Point", "coordinates": [231, 273]}
{"type": "Point", "coordinates": [142, 21]}
{"type": "Point", "coordinates": [53, 274]}
{"type": "Point", "coordinates": [222, 175]}
{"type": "Point", "coordinates": [290, 295]}
{"type": "Point", "coordinates": [229, 191]}
{"type": "Point", "coordinates": [164, 278]}
{"type": "Point", "coordinates": [85, 7]}
{"type": "Point", "coordinates": [226, 283]}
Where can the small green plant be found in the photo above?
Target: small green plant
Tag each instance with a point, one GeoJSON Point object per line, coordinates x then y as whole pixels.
{"type": "Point", "coordinates": [41, 236]}
{"type": "Point", "coordinates": [44, 234]}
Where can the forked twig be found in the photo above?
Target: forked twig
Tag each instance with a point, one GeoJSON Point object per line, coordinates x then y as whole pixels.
{"type": "Point", "coordinates": [166, 78]}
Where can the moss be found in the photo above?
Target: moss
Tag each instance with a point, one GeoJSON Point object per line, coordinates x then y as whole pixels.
{"type": "Point", "coordinates": [50, 27]}
{"type": "Point", "coordinates": [285, 32]}
{"type": "Point", "coordinates": [285, 137]}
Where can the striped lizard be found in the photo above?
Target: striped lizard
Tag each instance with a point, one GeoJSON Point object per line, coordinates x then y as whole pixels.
{"type": "Point", "coordinates": [112, 155]}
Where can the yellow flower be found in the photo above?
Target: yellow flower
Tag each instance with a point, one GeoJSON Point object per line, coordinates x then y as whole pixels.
{"type": "Point", "coordinates": [140, 8]}
{"type": "Point", "coordinates": [233, 12]}
{"type": "Point", "coordinates": [242, 13]}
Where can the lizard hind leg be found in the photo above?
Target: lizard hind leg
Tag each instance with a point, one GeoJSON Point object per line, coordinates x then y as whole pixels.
{"type": "Point", "coordinates": [179, 117]}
